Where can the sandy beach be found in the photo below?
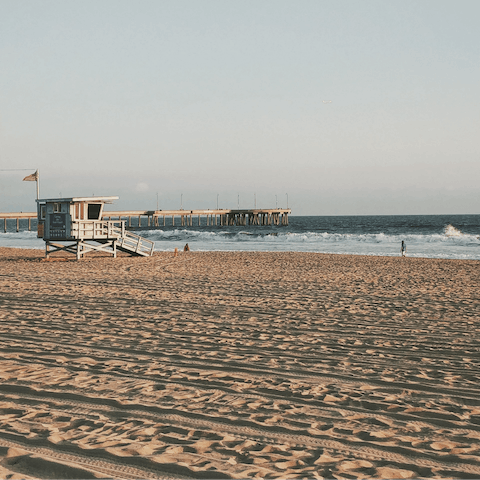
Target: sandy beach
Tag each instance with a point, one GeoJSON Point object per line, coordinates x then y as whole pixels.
{"type": "Point", "coordinates": [239, 365]}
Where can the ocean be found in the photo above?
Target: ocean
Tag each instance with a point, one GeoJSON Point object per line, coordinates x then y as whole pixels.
{"type": "Point", "coordinates": [428, 236]}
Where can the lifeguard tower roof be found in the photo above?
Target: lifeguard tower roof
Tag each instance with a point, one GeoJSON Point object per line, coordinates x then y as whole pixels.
{"type": "Point", "coordinates": [78, 199]}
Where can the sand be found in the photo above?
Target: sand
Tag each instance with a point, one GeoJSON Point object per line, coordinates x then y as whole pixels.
{"type": "Point", "coordinates": [239, 365]}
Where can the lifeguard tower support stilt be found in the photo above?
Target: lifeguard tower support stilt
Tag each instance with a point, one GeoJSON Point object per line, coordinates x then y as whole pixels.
{"type": "Point", "coordinates": [77, 220]}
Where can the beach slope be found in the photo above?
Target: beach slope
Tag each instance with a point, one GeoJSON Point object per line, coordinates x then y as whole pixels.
{"type": "Point", "coordinates": [239, 365]}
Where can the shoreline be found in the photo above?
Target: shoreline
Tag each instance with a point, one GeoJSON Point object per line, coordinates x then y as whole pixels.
{"type": "Point", "coordinates": [273, 252]}
{"type": "Point", "coordinates": [239, 365]}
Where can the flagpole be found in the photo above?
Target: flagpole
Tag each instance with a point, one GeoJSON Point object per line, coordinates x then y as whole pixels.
{"type": "Point", "coordinates": [38, 184]}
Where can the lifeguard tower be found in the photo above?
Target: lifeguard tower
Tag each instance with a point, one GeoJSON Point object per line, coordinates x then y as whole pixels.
{"type": "Point", "coordinates": [77, 223]}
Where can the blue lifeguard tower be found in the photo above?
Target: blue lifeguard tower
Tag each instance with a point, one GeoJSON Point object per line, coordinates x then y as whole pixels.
{"type": "Point", "coordinates": [75, 225]}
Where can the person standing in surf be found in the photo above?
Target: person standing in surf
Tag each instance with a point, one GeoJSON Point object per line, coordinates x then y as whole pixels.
{"type": "Point", "coordinates": [403, 249]}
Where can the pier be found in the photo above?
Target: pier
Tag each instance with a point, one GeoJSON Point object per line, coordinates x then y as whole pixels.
{"type": "Point", "coordinates": [16, 217]}
{"type": "Point", "coordinates": [182, 218]}
{"type": "Point", "coordinates": [217, 217]}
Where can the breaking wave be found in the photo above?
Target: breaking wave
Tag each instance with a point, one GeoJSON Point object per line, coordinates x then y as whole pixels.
{"type": "Point", "coordinates": [437, 245]}
{"type": "Point", "coordinates": [451, 231]}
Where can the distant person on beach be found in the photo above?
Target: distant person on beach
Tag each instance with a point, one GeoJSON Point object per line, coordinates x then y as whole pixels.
{"type": "Point", "coordinates": [186, 248]}
{"type": "Point", "coordinates": [404, 249]}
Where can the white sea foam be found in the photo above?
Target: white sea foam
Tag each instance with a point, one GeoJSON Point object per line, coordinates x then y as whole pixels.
{"type": "Point", "coordinates": [22, 239]}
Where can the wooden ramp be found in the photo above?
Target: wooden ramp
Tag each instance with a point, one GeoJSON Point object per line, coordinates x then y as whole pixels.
{"type": "Point", "coordinates": [134, 244]}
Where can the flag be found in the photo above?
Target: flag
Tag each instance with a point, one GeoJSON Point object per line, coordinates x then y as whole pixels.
{"type": "Point", "coordinates": [31, 178]}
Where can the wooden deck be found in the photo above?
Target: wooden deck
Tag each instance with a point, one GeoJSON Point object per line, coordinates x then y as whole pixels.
{"type": "Point", "coordinates": [100, 235]}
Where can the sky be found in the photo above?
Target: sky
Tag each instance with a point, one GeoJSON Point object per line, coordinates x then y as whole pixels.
{"type": "Point", "coordinates": [340, 107]}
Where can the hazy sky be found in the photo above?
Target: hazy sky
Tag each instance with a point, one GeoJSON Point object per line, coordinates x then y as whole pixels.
{"type": "Point", "coordinates": [228, 97]}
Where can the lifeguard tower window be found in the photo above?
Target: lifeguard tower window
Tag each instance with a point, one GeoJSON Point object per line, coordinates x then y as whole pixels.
{"type": "Point", "coordinates": [94, 211]}
{"type": "Point", "coordinates": [43, 210]}
{"type": "Point", "coordinates": [57, 208]}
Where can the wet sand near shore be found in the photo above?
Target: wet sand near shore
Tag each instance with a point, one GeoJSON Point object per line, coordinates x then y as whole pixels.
{"type": "Point", "coordinates": [239, 365]}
